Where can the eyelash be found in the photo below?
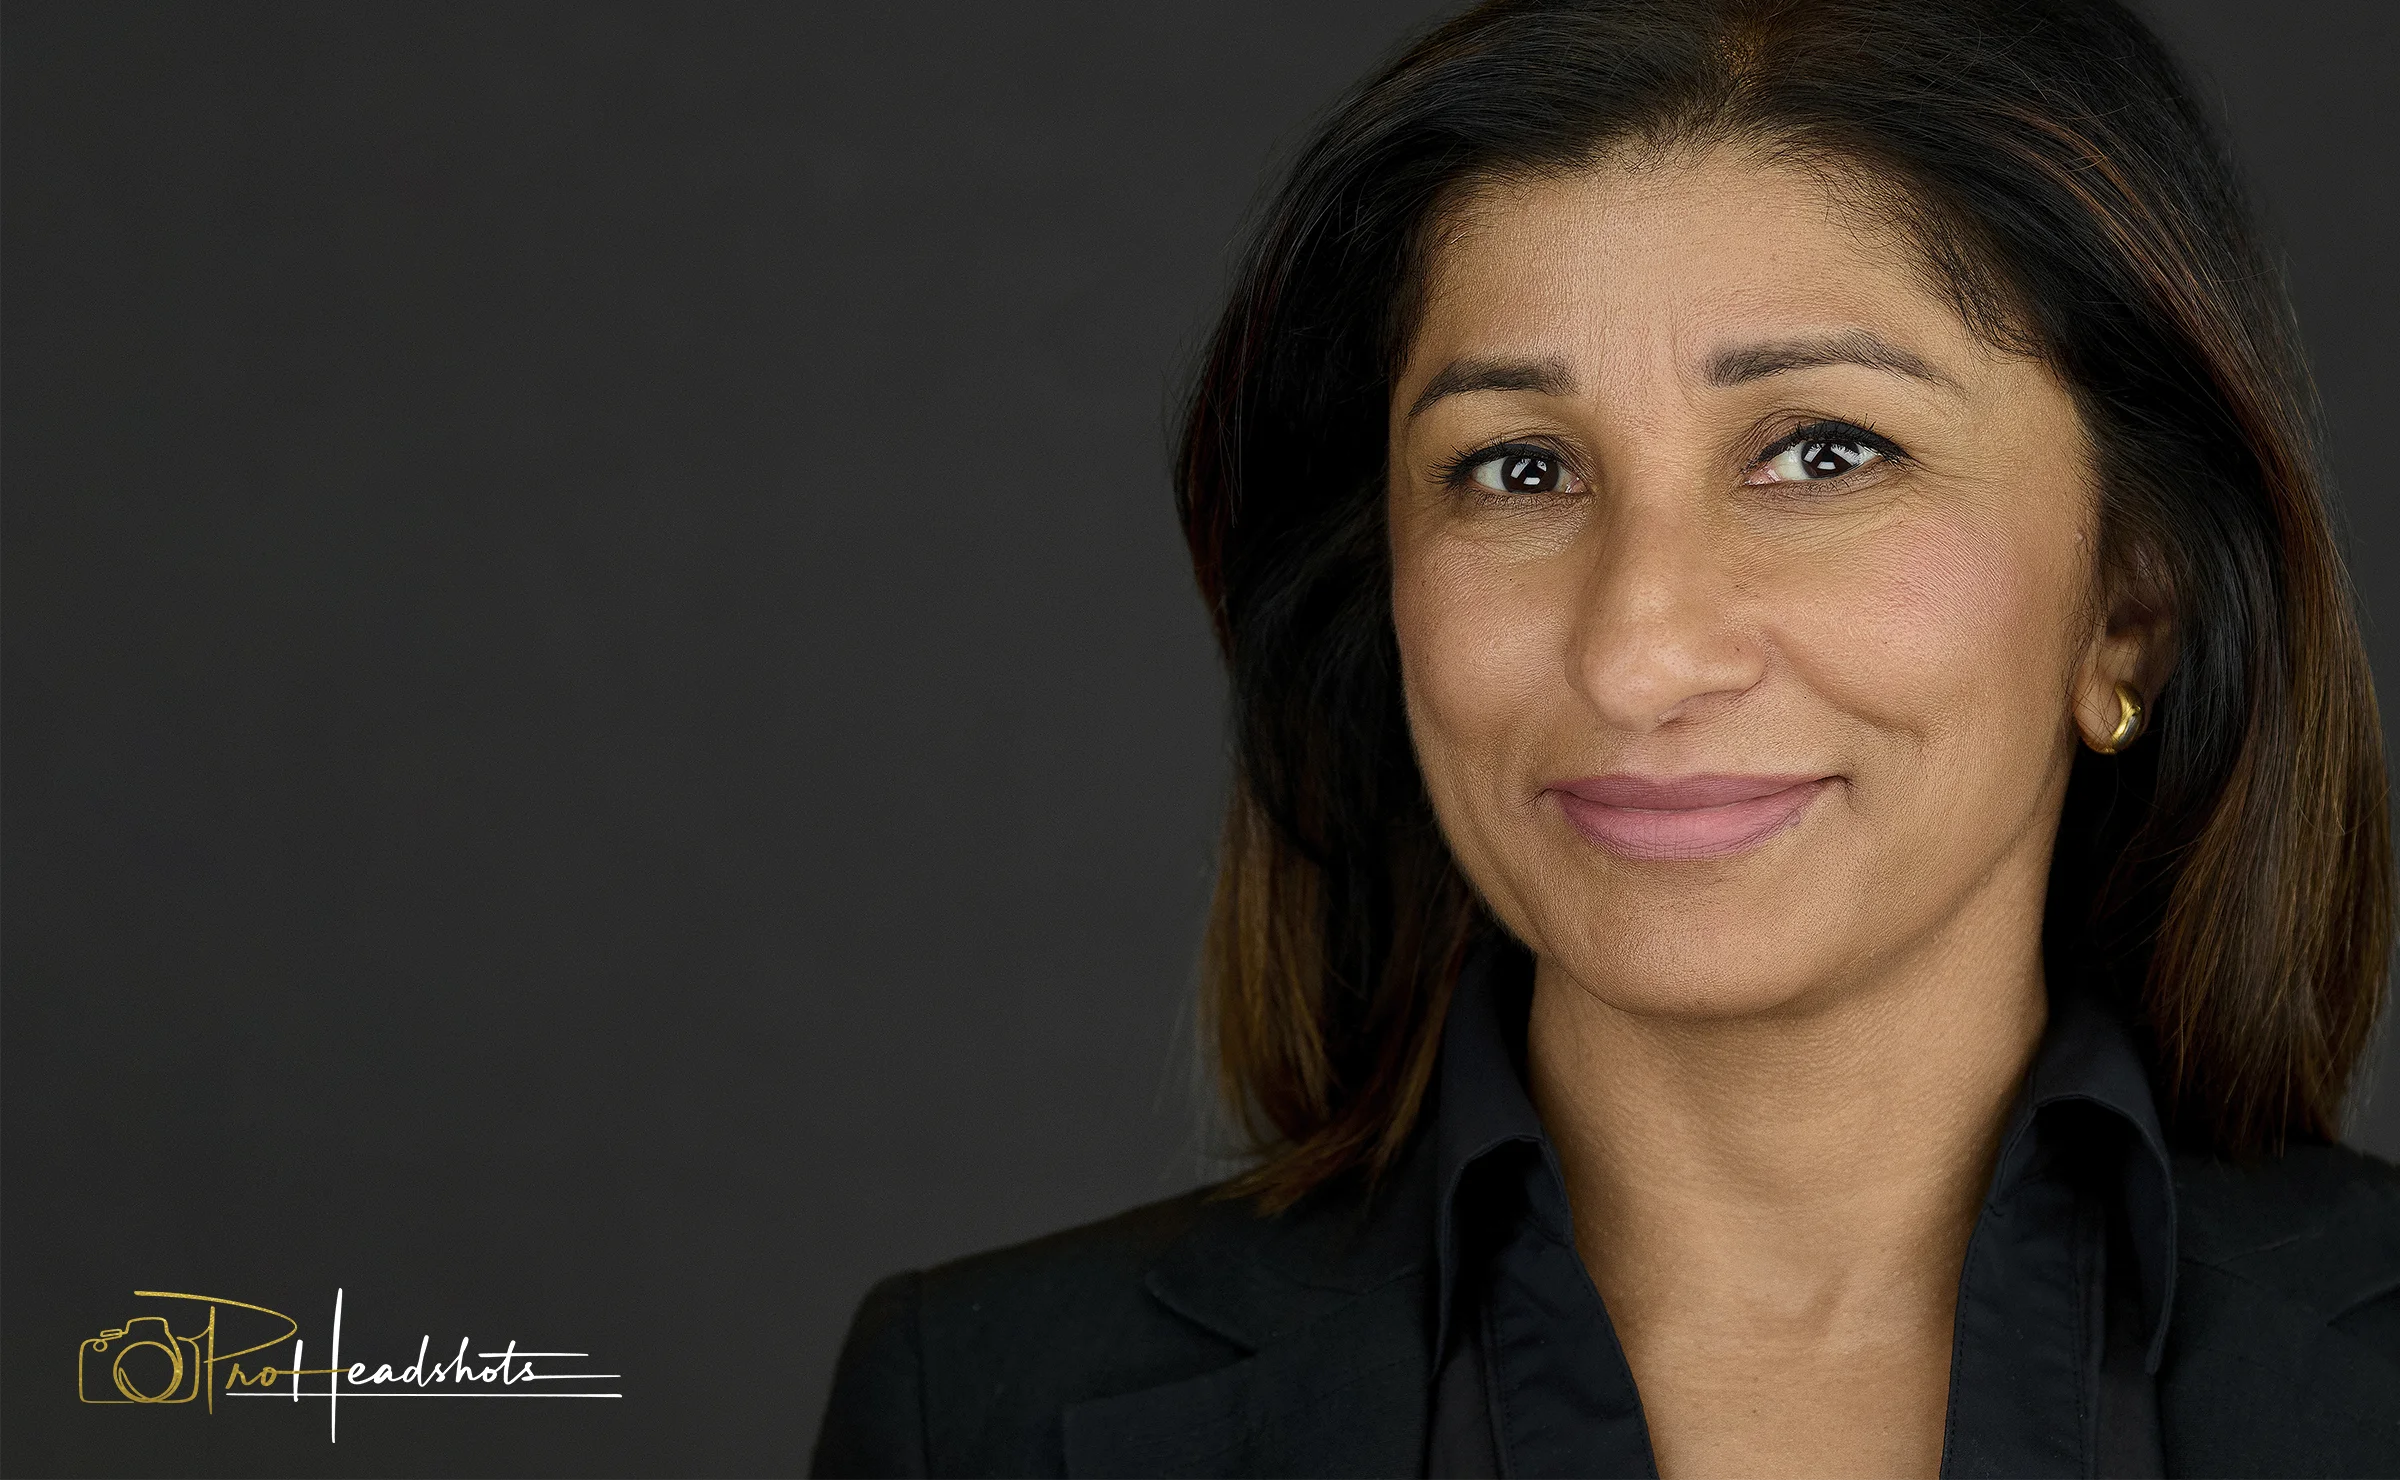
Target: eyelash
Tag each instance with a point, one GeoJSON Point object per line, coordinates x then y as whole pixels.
{"type": "Point", "coordinates": [1454, 473]}
{"type": "Point", "coordinates": [1829, 430]}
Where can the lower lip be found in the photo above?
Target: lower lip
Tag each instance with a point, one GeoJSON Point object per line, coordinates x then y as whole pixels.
{"type": "Point", "coordinates": [1693, 832]}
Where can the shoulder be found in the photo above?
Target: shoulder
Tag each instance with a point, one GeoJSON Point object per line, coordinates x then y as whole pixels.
{"type": "Point", "coordinates": [2318, 1225]}
{"type": "Point", "coordinates": [980, 1356]}
{"type": "Point", "coordinates": [2283, 1350]}
{"type": "Point", "coordinates": [982, 1365]}
{"type": "Point", "coordinates": [1059, 1314]}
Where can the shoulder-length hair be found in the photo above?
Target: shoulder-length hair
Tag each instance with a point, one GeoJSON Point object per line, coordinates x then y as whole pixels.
{"type": "Point", "coordinates": [2230, 877]}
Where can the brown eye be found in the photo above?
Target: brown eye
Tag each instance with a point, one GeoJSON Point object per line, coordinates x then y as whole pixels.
{"type": "Point", "coordinates": [1521, 472]}
{"type": "Point", "coordinates": [1824, 451]}
{"type": "Point", "coordinates": [1809, 460]}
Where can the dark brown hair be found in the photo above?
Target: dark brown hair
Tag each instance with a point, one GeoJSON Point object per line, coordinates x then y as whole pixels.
{"type": "Point", "coordinates": [2230, 876]}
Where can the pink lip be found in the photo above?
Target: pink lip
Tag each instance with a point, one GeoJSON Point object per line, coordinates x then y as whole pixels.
{"type": "Point", "coordinates": [1657, 817]}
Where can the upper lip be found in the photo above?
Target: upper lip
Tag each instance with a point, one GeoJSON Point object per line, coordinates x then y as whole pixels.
{"type": "Point", "coordinates": [1680, 793]}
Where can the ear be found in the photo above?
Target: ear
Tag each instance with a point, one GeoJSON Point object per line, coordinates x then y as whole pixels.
{"type": "Point", "coordinates": [2132, 642]}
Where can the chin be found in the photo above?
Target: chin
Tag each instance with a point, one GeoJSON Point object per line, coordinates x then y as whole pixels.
{"type": "Point", "coordinates": [1706, 982]}
{"type": "Point", "coordinates": [1738, 945]}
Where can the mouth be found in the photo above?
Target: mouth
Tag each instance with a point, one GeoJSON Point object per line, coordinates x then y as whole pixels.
{"type": "Point", "coordinates": [1652, 818]}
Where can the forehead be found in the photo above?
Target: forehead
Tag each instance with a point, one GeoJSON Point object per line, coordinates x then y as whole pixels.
{"type": "Point", "coordinates": [1663, 257]}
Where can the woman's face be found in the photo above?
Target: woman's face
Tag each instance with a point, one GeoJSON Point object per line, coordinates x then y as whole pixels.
{"type": "Point", "coordinates": [1747, 603]}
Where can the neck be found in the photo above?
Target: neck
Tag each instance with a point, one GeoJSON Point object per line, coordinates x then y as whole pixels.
{"type": "Point", "coordinates": [1817, 1169]}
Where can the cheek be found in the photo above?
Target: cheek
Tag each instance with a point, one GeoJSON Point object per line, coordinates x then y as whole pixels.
{"type": "Point", "coordinates": [1943, 630]}
{"type": "Point", "coordinates": [1478, 656]}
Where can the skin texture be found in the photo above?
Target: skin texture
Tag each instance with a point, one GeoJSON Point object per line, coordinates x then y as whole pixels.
{"type": "Point", "coordinates": [1775, 1077]}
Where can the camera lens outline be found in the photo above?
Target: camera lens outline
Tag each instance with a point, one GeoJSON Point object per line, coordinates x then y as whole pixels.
{"type": "Point", "coordinates": [116, 1370]}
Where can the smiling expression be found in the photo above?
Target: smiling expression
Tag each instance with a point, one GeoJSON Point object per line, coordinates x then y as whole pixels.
{"type": "Point", "coordinates": [1745, 598]}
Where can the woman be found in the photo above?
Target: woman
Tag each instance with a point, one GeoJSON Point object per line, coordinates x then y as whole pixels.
{"type": "Point", "coordinates": [1809, 861]}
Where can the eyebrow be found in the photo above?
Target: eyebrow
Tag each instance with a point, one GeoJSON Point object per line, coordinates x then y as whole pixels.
{"type": "Point", "coordinates": [1463, 377]}
{"type": "Point", "coordinates": [1855, 347]}
{"type": "Point", "coordinates": [1729, 367]}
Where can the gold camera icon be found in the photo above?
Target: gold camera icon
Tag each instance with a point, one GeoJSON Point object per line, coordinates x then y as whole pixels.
{"type": "Point", "coordinates": [143, 1361]}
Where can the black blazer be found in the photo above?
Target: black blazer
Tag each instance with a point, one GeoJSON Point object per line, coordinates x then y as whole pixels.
{"type": "Point", "coordinates": [1195, 1337]}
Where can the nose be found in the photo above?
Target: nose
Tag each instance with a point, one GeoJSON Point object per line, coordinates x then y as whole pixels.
{"type": "Point", "coordinates": [1658, 633]}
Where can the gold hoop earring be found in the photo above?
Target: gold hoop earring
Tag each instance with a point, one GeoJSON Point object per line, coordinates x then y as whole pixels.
{"type": "Point", "coordinates": [2132, 714]}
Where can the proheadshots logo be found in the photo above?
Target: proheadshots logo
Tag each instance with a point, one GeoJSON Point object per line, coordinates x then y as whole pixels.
{"type": "Point", "coordinates": [180, 1348]}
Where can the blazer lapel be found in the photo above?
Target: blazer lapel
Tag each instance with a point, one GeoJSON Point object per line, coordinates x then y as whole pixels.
{"type": "Point", "coordinates": [1332, 1301]}
{"type": "Point", "coordinates": [2262, 1386]}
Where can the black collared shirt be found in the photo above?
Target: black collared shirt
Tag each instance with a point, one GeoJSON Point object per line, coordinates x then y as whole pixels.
{"type": "Point", "coordinates": [2062, 1305]}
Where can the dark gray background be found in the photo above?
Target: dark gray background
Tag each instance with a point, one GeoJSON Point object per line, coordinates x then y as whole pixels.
{"type": "Point", "coordinates": [607, 735]}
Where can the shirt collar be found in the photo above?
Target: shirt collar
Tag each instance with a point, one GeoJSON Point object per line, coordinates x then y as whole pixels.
{"type": "Point", "coordinates": [1480, 1105]}
{"type": "Point", "coordinates": [2087, 1057]}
